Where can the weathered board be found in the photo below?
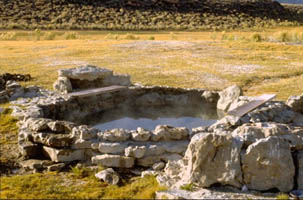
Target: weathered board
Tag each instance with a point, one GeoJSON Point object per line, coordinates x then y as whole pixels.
{"type": "Point", "coordinates": [258, 101]}
{"type": "Point", "coordinates": [97, 91]}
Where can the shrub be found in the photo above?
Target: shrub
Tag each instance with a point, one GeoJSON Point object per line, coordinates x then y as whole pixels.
{"type": "Point", "coordinates": [256, 37]}
{"type": "Point", "coordinates": [130, 36]}
{"type": "Point", "coordinates": [283, 36]}
{"type": "Point", "coordinates": [8, 36]}
{"type": "Point", "coordinates": [71, 35]}
{"type": "Point", "coordinates": [49, 36]}
{"type": "Point", "coordinates": [151, 38]}
{"type": "Point", "coordinates": [282, 196]}
{"type": "Point", "coordinates": [187, 187]}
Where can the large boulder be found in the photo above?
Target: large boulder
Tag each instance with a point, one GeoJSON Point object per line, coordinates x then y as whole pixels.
{"type": "Point", "coordinates": [109, 176]}
{"type": "Point", "coordinates": [63, 85]}
{"type": "Point", "coordinates": [228, 96]}
{"type": "Point", "coordinates": [213, 158]}
{"type": "Point", "coordinates": [268, 164]}
{"type": "Point", "coordinates": [113, 161]}
{"type": "Point", "coordinates": [87, 72]}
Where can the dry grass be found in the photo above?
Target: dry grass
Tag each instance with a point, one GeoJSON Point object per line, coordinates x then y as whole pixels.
{"type": "Point", "coordinates": [189, 59]}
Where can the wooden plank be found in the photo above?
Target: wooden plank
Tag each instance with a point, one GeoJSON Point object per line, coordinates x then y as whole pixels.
{"type": "Point", "coordinates": [258, 101]}
{"type": "Point", "coordinates": [96, 91]}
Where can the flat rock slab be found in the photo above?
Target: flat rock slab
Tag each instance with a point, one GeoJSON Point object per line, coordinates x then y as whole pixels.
{"type": "Point", "coordinates": [92, 92]}
{"type": "Point", "coordinates": [242, 110]}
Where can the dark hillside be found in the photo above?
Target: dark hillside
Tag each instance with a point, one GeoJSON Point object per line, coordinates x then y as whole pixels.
{"type": "Point", "coordinates": [144, 14]}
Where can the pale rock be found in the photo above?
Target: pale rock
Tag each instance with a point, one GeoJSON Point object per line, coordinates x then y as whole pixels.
{"type": "Point", "coordinates": [63, 155]}
{"type": "Point", "coordinates": [112, 148]}
{"type": "Point", "coordinates": [39, 124]}
{"type": "Point", "coordinates": [170, 157]}
{"type": "Point", "coordinates": [149, 172]}
{"type": "Point", "coordinates": [135, 151]}
{"type": "Point", "coordinates": [63, 85]}
{"type": "Point", "coordinates": [141, 135]}
{"type": "Point", "coordinates": [175, 146]}
{"type": "Point", "coordinates": [268, 164]}
{"type": "Point", "coordinates": [113, 161]}
{"type": "Point", "coordinates": [228, 96]}
{"type": "Point", "coordinates": [28, 149]}
{"type": "Point", "coordinates": [87, 72]}
{"type": "Point", "coordinates": [249, 134]}
{"type": "Point", "coordinates": [109, 176]}
{"type": "Point", "coordinates": [154, 149]}
{"type": "Point", "coordinates": [148, 161]}
{"type": "Point", "coordinates": [158, 166]}
{"type": "Point", "coordinates": [33, 164]}
{"type": "Point", "coordinates": [166, 133]}
{"type": "Point", "coordinates": [211, 96]}
{"type": "Point", "coordinates": [82, 144]}
{"type": "Point", "coordinates": [56, 167]}
{"type": "Point", "coordinates": [61, 126]}
{"type": "Point", "coordinates": [213, 158]}
{"type": "Point", "coordinates": [116, 135]}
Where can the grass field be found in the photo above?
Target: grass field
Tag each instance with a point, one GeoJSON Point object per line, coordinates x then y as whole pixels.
{"type": "Point", "coordinates": [260, 62]}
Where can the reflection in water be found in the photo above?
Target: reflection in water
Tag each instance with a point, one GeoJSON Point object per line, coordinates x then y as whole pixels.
{"type": "Point", "coordinates": [130, 118]}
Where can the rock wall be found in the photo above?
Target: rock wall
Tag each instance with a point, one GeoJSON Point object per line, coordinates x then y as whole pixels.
{"type": "Point", "coordinates": [50, 125]}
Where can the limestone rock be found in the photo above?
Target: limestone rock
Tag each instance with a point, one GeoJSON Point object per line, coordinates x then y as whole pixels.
{"type": "Point", "coordinates": [166, 133]}
{"type": "Point", "coordinates": [37, 124]}
{"type": "Point", "coordinates": [113, 161]}
{"type": "Point", "coordinates": [87, 72]}
{"type": "Point", "coordinates": [153, 150]}
{"type": "Point", "coordinates": [117, 80]}
{"type": "Point", "coordinates": [135, 151]}
{"type": "Point", "coordinates": [33, 164]}
{"type": "Point", "coordinates": [228, 96]}
{"type": "Point", "coordinates": [213, 158]}
{"type": "Point", "coordinates": [63, 155]}
{"type": "Point", "coordinates": [116, 135]}
{"type": "Point", "coordinates": [141, 135]}
{"type": "Point", "coordinates": [56, 167]}
{"type": "Point", "coordinates": [249, 134]}
{"type": "Point", "coordinates": [268, 164]}
{"type": "Point", "coordinates": [210, 96]}
{"type": "Point", "coordinates": [61, 126]}
{"type": "Point", "coordinates": [148, 161]}
{"type": "Point", "coordinates": [109, 176]}
{"type": "Point", "coordinates": [29, 150]}
{"type": "Point", "coordinates": [149, 172]}
{"type": "Point", "coordinates": [82, 144]}
{"type": "Point", "coordinates": [111, 148]}
{"type": "Point", "coordinates": [175, 146]}
{"type": "Point", "coordinates": [84, 132]}
{"type": "Point", "coordinates": [149, 99]}
{"type": "Point", "coordinates": [63, 85]}
{"type": "Point", "coordinates": [53, 140]}
{"type": "Point", "coordinates": [300, 170]}
{"type": "Point", "coordinates": [158, 166]}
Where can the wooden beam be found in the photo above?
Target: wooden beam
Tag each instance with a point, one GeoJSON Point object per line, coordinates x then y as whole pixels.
{"type": "Point", "coordinates": [246, 108]}
{"type": "Point", "coordinates": [97, 91]}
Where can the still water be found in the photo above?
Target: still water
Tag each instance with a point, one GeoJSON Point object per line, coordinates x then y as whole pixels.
{"type": "Point", "coordinates": [130, 118]}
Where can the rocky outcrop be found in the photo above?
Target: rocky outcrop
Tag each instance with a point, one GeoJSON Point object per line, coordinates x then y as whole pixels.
{"type": "Point", "coordinates": [109, 176]}
{"type": "Point", "coordinates": [268, 164]}
{"type": "Point", "coordinates": [257, 156]}
{"type": "Point", "coordinates": [213, 158]}
{"type": "Point", "coordinates": [86, 77]}
{"type": "Point", "coordinates": [228, 97]}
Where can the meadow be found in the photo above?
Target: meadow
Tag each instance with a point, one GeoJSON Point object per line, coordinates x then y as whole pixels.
{"type": "Point", "coordinates": [268, 61]}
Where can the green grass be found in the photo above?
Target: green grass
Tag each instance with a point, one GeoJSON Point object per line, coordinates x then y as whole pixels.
{"type": "Point", "coordinates": [8, 127]}
{"type": "Point", "coordinates": [65, 186]}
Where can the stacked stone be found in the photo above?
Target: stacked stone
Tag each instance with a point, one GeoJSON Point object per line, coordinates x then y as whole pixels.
{"type": "Point", "coordinates": [257, 156]}
{"type": "Point", "coordinates": [62, 141]}
{"type": "Point", "coordinates": [86, 77]}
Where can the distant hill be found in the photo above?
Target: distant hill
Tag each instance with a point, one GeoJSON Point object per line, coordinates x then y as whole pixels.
{"type": "Point", "coordinates": [146, 14]}
{"type": "Point", "coordinates": [291, 1]}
